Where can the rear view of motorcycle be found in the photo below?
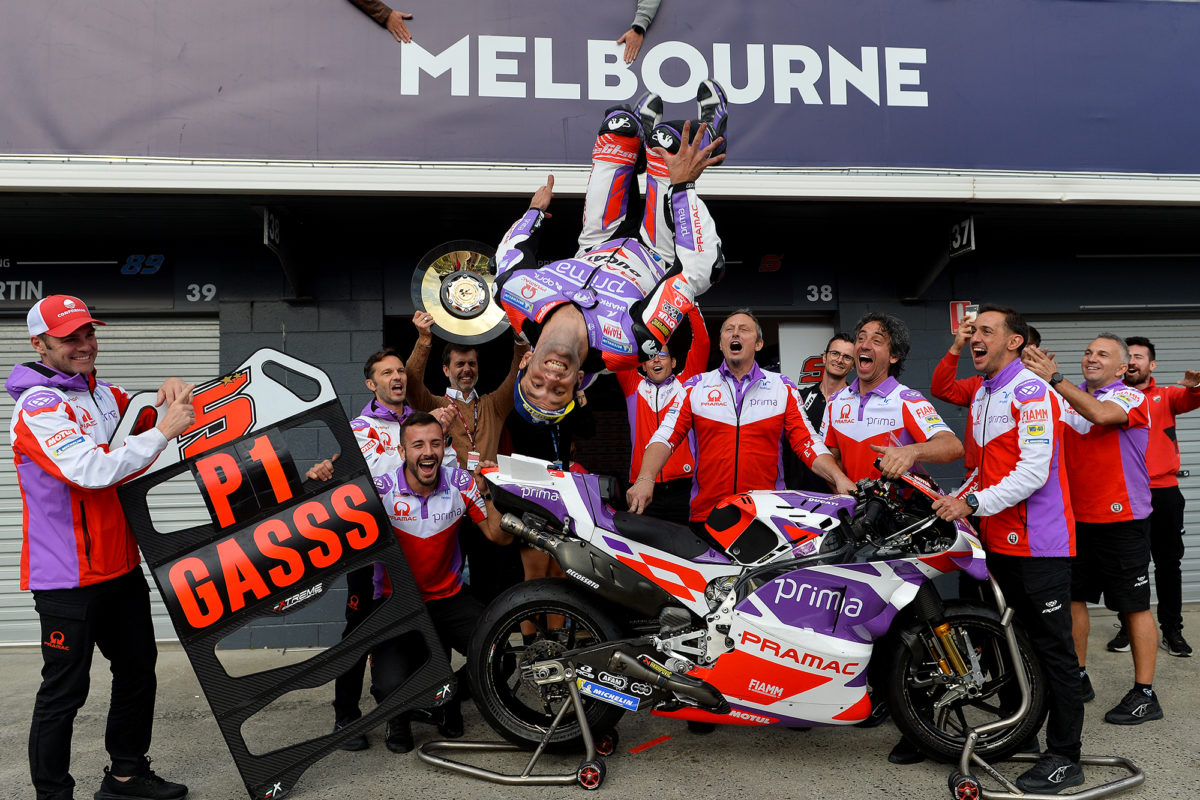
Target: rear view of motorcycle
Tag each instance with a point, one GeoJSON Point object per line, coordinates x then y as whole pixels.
{"type": "Point", "coordinates": [780, 615]}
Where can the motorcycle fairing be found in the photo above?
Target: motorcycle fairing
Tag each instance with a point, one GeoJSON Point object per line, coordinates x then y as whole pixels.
{"type": "Point", "coordinates": [683, 579]}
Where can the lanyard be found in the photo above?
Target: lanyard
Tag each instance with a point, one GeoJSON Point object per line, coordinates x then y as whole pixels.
{"type": "Point", "coordinates": [470, 431]}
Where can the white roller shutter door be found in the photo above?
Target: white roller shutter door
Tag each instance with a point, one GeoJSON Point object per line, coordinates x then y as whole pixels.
{"type": "Point", "coordinates": [1177, 346]}
{"type": "Point", "coordinates": [136, 353]}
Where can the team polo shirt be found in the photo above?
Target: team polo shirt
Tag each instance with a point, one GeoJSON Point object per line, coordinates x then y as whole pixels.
{"type": "Point", "coordinates": [427, 527]}
{"type": "Point", "coordinates": [1162, 450]}
{"type": "Point", "coordinates": [1106, 464]}
{"type": "Point", "coordinates": [854, 422]}
{"type": "Point", "coordinates": [1024, 502]}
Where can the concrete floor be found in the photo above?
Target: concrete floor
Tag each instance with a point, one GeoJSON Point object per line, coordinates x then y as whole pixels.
{"type": "Point", "coordinates": [823, 763]}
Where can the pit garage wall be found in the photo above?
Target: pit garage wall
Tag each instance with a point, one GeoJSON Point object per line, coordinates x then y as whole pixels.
{"type": "Point", "coordinates": [349, 283]}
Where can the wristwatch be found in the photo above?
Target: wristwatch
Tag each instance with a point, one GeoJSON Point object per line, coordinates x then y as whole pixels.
{"type": "Point", "coordinates": [1055, 379]}
{"type": "Point", "coordinates": [973, 502]}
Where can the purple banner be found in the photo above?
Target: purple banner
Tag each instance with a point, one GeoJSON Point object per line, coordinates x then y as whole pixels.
{"type": "Point", "coordinates": [1046, 85]}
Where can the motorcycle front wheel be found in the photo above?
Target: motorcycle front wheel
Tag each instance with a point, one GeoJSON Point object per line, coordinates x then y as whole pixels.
{"type": "Point", "coordinates": [935, 712]}
{"type": "Point", "coordinates": [534, 621]}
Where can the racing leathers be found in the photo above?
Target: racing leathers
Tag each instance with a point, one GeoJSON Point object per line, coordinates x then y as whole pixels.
{"type": "Point", "coordinates": [739, 425]}
{"type": "Point", "coordinates": [633, 294]}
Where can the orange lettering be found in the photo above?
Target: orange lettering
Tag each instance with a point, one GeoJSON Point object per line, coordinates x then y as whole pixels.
{"type": "Point", "coordinates": [240, 575]}
{"type": "Point", "coordinates": [267, 537]}
{"type": "Point", "coordinates": [306, 516]}
{"type": "Point", "coordinates": [200, 603]}
{"type": "Point", "coordinates": [264, 453]}
{"type": "Point", "coordinates": [221, 477]}
{"type": "Point", "coordinates": [362, 537]}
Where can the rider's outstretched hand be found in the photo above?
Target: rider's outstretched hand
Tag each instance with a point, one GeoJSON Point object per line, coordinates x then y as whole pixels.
{"type": "Point", "coordinates": [690, 162]}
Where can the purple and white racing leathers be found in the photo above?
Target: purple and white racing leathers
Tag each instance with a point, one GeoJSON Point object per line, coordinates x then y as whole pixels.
{"type": "Point", "coordinates": [633, 293]}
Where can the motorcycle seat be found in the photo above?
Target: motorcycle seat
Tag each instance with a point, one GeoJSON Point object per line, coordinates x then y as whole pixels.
{"type": "Point", "coordinates": [660, 534]}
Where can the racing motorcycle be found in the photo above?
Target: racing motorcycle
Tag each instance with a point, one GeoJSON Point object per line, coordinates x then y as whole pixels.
{"type": "Point", "coordinates": [781, 614]}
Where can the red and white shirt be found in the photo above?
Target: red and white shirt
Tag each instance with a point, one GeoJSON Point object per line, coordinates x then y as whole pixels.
{"type": "Point", "coordinates": [427, 527]}
{"type": "Point", "coordinates": [854, 422]}
{"type": "Point", "coordinates": [377, 431]}
{"type": "Point", "coordinates": [1106, 464]}
{"type": "Point", "coordinates": [1162, 451]}
{"type": "Point", "coordinates": [1024, 504]}
{"type": "Point", "coordinates": [739, 426]}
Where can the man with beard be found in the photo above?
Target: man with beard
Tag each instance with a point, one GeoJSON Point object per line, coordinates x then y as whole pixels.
{"type": "Point", "coordinates": [647, 399]}
{"type": "Point", "coordinates": [377, 431]}
{"type": "Point", "coordinates": [1109, 425]}
{"type": "Point", "coordinates": [426, 503]}
{"type": "Point", "coordinates": [874, 408]}
{"type": "Point", "coordinates": [1166, 501]}
{"type": "Point", "coordinates": [838, 361]}
{"type": "Point", "coordinates": [864, 421]}
{"type": "Point", "coordinates": [621, 298]}
{"type": "Point", "coordinates": [1020, 497]}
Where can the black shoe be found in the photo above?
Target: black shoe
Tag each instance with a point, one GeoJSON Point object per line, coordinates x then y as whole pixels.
{"type": "Point", "coordinates": [905, 752]}
{"type": "Point", "coordinates": [144, 784]}
{"type": "Point", "coordinates": [879, 712]}
{"type": "Point", "coordinates": [701, 727]}
{"type": "Point", "coordinates": [354, 743]}
{"type": "Point", "coordinates": [1175, 645]}
{"type": "Point", "coordinates": [1120, 642]}
{"type": "Point", "coordinates": [449, 719]}
{"type": "Point", "coordinates": [1088, 694]}
{"type": "Point", "coordinates": [1134, 709]}
{"type": "Point", "coordinates": [1050, 775]}
{"type": "Point", "coordinates": [399, 737]}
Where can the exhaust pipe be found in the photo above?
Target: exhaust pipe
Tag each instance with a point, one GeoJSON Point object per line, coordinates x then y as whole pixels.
{"type": "Point", "coordinates": [512, 524]}
{"type": "Point", "coordinates": [703, 692]}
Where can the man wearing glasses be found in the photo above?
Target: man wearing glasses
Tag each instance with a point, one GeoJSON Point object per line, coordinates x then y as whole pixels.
{"type": "Point", "coordinates": [838, 362]}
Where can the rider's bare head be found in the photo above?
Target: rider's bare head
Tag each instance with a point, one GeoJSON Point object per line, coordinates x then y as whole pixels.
{"type": "Point", "coordinates": [546, 385]}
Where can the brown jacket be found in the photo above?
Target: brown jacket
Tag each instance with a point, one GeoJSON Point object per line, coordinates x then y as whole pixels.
{"type": "Point", "coordinates": [493, 406]}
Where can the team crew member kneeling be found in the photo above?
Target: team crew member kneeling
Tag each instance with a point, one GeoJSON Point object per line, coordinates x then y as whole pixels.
{"type": "Point", "coordinates": [426, 503]}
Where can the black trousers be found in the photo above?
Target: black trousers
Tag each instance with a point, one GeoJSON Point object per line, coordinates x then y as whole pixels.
{"type": "Point", "coordinates": [347, 687]}
{"type": "Point", "coordinates": [1166, 547]}
{"type": "Point", "coordinates": [454, 619]}
{"type": "Point", "coordinates": [672, 501]}
{"type": "Point", "coordinates": [1039, 592]}
{"type": "Point", "coordinates": [114, 616]}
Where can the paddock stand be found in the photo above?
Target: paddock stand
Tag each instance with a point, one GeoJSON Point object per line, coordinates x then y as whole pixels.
{"type": "Point", "coordinates": [589, 774]}
{"type": "Point", "coordinates": [966, 786]}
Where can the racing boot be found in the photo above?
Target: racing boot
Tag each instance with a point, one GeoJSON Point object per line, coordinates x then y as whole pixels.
{"type": "Point", "coordinates": [713, 108]}
{"type": "Point", "coordinates": [649, 108]}
{"type": "Point", "coordinates": [621, 121]}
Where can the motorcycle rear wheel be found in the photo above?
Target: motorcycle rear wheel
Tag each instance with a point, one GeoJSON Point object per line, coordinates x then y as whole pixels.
{"type": "Point", "coordinates": [516, 707]}
{"type": "Point", "coordinates": [940, 732]}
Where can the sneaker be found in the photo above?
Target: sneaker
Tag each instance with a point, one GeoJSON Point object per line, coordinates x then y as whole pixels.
{"type": "Point", "coordinates": [621, 121]}
{"type": "Point", "coordinates": [713, 108]}
{"type": "Point", "coordinates": [649, 109]}
{"type": "Point", "coordinates": [905, 752]}
{"type": "Point", "coordinates": [1050, 775]}
{"type": "Point", "coordinates": [449, 719]}
{"type": "Point", "coordinates": [144, 784]}
{"type": "Point", "coordinates": [354, 743]}
{"type": "Point", "coordinates": [1120, 642]}
{"type": "Point", "coordinates": [1134, 709]}
{"type": "Point", "coordinates": [1175, 645]}
{"type": "Point", "coordinates": [399, 737]}
{"type": "Point", "coordinates": [1086, 691]}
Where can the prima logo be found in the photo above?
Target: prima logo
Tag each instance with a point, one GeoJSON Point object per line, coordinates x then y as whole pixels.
{"type": "Point", "coordinates": [538, 493]}
{"type": "Point", "coordinates": [819, 598]}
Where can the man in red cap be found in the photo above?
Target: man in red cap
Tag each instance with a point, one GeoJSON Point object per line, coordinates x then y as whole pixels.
{"type": "Point", "coordinates": [78, 554]}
